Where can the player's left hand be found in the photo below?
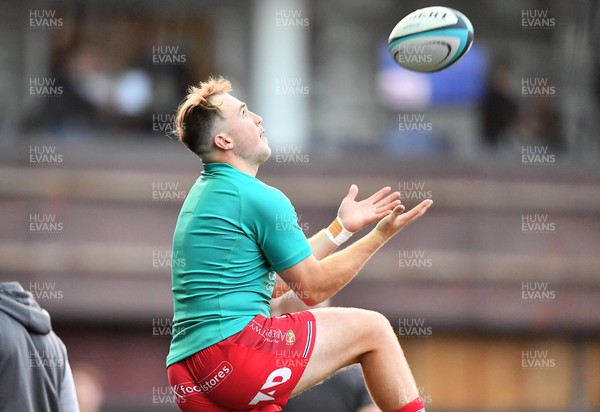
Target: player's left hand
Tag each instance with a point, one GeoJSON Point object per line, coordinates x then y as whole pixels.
{"type": "Point", "coordinates": [357, 215]}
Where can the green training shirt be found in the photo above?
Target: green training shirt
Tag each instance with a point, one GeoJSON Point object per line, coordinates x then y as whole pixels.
{"type": "Point", "coordinates": [233, 233]}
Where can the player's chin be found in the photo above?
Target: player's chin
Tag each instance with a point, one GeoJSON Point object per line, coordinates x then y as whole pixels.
{"type": "Point", "coordinates": [266, 145]}
{"type": "Point", "coordinates": [265, 155]}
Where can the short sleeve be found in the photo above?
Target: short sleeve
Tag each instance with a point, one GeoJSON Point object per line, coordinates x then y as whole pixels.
{"type": "Point", "coordinates": [273, 220]}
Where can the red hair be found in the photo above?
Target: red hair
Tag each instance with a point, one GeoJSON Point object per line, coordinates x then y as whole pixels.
{"type": "Point", "coordinates": [196, 115]}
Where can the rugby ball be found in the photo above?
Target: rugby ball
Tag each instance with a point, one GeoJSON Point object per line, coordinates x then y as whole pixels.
{"type": "Point", "coordinates": [431, 39]}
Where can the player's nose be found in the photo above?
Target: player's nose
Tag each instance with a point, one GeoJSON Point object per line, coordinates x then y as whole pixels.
{"type": "Point", "coordinates": [257, 119]}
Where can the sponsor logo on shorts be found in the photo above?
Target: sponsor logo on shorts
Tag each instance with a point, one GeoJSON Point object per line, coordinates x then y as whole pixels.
{"type": "Point", "coordinates": [269, 335]}
{"type": "Point", "coordinates": [276, 378]}
{"type": "Point", "coordinates": [290, 337]}
{"type": "Point", "coordinates": [207, 384]}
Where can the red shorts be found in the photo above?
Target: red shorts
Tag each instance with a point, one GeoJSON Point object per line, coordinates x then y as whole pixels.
{"type": "Point", "coordinates": [255, 369]}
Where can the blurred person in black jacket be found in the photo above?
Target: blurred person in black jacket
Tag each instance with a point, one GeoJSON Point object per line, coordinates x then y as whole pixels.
{"type": "Point", "coordinates": [499, 108]}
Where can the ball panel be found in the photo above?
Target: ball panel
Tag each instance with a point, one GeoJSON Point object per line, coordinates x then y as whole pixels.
{"type": "Point", "coordinates": [431, 51]}
{"type": "Point", "coordinates": [464, 20]}
{"type": "Point", "coordinates": [429, 18]}
{"type": "Point", "coordinates": [465, 46]}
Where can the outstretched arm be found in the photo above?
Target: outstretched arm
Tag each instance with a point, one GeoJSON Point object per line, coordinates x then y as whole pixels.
{"type": "Point", "coordinates": [317, 280]}
{"type": "Point", "coordinates": [354, 215]}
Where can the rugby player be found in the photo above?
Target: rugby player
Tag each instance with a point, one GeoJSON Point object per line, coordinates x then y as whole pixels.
{"type": "Point", "coordinates": [227, 353]}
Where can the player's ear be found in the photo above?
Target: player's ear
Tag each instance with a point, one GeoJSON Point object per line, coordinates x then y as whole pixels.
{"type": "Point", "coordinates": [223, 141]}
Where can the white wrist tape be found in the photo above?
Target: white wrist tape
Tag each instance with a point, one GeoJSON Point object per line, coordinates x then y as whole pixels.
{"type": "Point", "coordinates": [337, 233]}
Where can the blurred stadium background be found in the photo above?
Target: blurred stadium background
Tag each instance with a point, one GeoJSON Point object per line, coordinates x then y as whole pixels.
{"type": "Point", "coordinates": [495, 294]}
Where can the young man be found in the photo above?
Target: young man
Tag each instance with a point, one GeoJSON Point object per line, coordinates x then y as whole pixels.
{"type": "Point", "coordinates": [227, 354]}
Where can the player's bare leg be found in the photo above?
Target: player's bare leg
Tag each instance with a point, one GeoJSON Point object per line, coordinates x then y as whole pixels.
{"type": "Point", "coordinates": [348, 335]}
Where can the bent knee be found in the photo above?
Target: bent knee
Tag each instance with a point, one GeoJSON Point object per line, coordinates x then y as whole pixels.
{"type": "Point", "coordinates": [377, 330]}
{"type": "Point", "coordinates": [375, 322]}
{"type": "Point", "coordinates": [379, 320]}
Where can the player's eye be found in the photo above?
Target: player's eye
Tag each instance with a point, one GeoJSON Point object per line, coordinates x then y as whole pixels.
{"type": "Point", "coordinates": [244, 114]}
